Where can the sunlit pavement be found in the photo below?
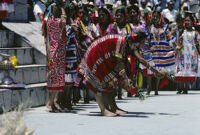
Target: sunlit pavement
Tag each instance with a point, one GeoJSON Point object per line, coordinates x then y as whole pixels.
{"type": "Point", "coordinates": [166, 114]}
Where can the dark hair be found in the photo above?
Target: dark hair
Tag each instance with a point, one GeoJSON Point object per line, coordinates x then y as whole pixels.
{"type": "Point", "coordinates": [190, 16]}
{"type": "Point", "coordinates": [138, 37]}
{"type": "Point", "coordinates": [82, 7]}
{"type": "Point", "coordinates": [57, 11]}
{"type": "Point", "coordinates": [106, 12]}
{"type": "Point", "coordinates": [134, 7]}
{"type": "Point", "coordinates": [121, 10]}
{"type": "Point", "coordinates": [59, 2]}
{"type": "Point", "coordinates": [156, 12]}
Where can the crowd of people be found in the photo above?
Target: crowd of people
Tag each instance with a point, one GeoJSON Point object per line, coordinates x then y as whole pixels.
{"type": "Point", "coordinates": [107, 46]}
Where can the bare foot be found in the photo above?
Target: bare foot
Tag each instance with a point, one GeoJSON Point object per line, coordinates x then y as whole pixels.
{"type": "Point", "coordinates": [120, 112]}
{"type": "Point", "coordinates": [48, 106]}
{"type": "Point", "coordinates": [108, 113]}
{"type": "Point", "coordinates": [52, 109]}
{"type": "Point", "coordinates": [57, 106]}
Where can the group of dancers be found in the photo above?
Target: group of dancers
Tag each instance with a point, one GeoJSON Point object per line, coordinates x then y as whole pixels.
{"type": "Point", "coordinates": [103, 51]}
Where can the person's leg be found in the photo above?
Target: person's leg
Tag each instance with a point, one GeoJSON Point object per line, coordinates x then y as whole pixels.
{"type": "Point", "coordinates": [86, 96]}
{"type": "Point", "coordinates": [68, 92]}
{"type": "Point", "coordinates": [157, 86]}
{"type": "Point", "coordinates": [111, 103]}
{"type": "Point", "coordinates": [75, 95]}
{"type": "Point", "coordinates": [104, 111]}
{"type": "Point", "coordinates": [105, 98]}
{"type": "Point", "coordinates": [179, 88]}
{"type": "Point", "coordinates": [119, 92]}
{"type": "Point", "coordinates": [1, 26]}
{"type": "Point", "coordinates": [50, 105]}
{"type": "Point", "coordinates": [117, 109]}
{"type": "Point", "coordinates": [185, 91]}
{"type": "Point", "coordinates": [149, 86]}
{"type": "Point", "coordinates": [58, 100]}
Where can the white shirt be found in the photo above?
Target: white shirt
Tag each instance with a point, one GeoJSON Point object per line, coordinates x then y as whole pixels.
{"type": "Point", "coordinates": [39, 8]}
{"type": "Point", "coordinates": [170, 15]}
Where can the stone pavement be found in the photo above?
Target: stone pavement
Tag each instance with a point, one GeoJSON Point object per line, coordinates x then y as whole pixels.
{"type": "Point", "coordinates": [166, 114]}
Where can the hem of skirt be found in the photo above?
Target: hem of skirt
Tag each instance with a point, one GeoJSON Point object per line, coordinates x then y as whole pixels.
{"type": "Point", "coordinates": [150, 75]}
{"type": "Point", "coordinates": [52, 89]}
{"type": "Point", "coordinates": [95, 90]}
{"type": "Point", "coordinates": [184, 79]}
{"type": "Point", "coordinates": [69, 83]}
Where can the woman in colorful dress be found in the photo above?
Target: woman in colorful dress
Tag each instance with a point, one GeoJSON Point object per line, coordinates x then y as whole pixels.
{"type": "Point", "coordinates": [6, 6]}
{"type": "Point", "coordinates": [178, 33]}
{"type": "Point", "coordinates": [188, 55]}
{"type": "Point", "coordinates": [119, 28]}
{"type": "Point", "coordinates": [65, 97]}
{"type": "Point", "coordinates": [104, 25]}
{"type": "Point", "coordinates": [103, 67]}
{"type": "Point", "coordinates": [120, 21]}
{"type": "Point", "coordinates": [87, 32]}
{"type": "Point", "coordinates": [54, 34]}
{"type": "Point", "coordinates": [161, 41]}
{"type": "Point", "coordinates": [135, 24]}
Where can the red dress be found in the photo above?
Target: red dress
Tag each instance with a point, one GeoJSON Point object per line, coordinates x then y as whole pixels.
{"type": "Point", "coordinates": [100, 61]}
{"type": "Point", "coordinates": [56, 53]}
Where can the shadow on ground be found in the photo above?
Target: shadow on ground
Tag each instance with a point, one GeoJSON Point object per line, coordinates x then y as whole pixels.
{"type": "Point", "coordinates": [135, 114]}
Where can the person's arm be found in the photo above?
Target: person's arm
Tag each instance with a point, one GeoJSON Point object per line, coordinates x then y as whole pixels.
{"type": "Point", "coordinates": [63, 18]}
{"type": "Point", "coordinates": [120, 68]}
{"type": "Point", "coordinates": [197, 38]}
{"type": "Point", "coordinates": [145, 63]}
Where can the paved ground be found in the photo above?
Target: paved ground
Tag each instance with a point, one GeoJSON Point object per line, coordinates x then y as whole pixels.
{"type": "Point", "coordinates": [166, 114]}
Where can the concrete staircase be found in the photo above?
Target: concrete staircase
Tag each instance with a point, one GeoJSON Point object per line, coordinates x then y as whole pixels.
{"type": "Point", "coordinates": [31, 71]}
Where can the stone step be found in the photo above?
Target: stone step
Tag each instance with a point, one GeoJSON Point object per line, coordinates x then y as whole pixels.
{"type": "Point", "coordinates": [6, 38]}
{"type": "Point", "coordinates": [26, 74]}
{"type": "Point", "coordinates": [23, 54]}
{"type": "Point", "coordinates": [32, 96]}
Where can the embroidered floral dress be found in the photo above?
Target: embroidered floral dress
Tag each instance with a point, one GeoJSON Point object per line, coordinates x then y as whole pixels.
{"type": "Point", "coordinates": [55, 47]}
{"type": "Point", "coordinates": [188, 59]}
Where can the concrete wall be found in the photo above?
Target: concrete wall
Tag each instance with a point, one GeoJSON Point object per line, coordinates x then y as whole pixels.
{"type": "Point", "coordinates": [21, 12]}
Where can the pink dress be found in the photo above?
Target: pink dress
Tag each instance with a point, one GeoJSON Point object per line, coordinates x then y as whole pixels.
{"type": "Point", "coordinates": [55, 46]}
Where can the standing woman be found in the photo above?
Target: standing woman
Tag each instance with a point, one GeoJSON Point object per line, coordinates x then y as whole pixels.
{"type": "Point", "coordinates": [104, 24]}
{"type": "Point", "coordinates": [135, 25]}
{"type": "Point", "coordinates": [120, 21]}
{"type": "Point", "coordinates": [161, 42]}
{"type": "Point", "coordinates": [86, 33]}
{"type": "Point", "coordinates": [54, 34]}
{"type": "Point", "coordinates": [120, 28]}
{"type": "Point", "coordinates": [188, 55]}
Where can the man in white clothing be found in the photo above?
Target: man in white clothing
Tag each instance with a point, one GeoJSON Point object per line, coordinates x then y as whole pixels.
{"type": "Point", "coordinates": [170, 13]}
{"type": "Point", "coordinates": [38, 10]}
